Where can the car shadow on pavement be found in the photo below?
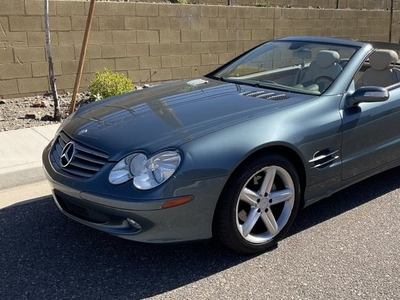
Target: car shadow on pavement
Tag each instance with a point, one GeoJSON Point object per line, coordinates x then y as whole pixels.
{"type": "Point", "coordinates": [44, 255]}
{"type": "Point", "coordinates": [347, 199]}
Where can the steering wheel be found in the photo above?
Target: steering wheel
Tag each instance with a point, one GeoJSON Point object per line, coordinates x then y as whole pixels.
{"type": "Point", "coordinates": [323, 77]}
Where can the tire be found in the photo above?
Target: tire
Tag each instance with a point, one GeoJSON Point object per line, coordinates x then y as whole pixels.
{"type": "Point", "coordinates": [250, 221]}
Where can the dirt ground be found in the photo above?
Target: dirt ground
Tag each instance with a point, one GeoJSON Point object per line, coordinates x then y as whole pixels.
{"type": "Point", "coordinates": [18, 113]}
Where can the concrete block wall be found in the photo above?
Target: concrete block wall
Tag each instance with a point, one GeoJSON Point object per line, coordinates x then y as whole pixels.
{"type": "Point", "coordinates": [152, 42]}
{"type": "Point", "coordinates": [325, 4]}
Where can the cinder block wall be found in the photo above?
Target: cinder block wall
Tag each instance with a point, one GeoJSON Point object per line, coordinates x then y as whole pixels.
{"type": "Point", "coordinates": [152, 42]}
{"type": "Point", "coordinates": [325, 4]}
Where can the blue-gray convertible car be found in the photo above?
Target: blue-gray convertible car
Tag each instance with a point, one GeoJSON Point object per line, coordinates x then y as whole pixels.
{"type": "Point", "coordinates": [235, 154]}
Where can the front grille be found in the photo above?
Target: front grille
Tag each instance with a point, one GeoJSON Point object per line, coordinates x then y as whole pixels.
{"type": "Point", "coordinates": [265, 95]}
{"type": "Point", "coordinates": [85, 162]}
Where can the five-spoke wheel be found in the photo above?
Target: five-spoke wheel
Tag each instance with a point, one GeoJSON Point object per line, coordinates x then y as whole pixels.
{"type": "Point", "coordinates": [258, 205]}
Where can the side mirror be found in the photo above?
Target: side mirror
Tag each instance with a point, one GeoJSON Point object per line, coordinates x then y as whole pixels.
{"type": "Point", "coordinates": [368, 94]}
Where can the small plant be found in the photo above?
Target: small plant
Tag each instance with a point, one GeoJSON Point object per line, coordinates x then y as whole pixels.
{"type": "Point", "coordinates": [107, 83]}
{"type": "Point", "coordinates": [261, 4]}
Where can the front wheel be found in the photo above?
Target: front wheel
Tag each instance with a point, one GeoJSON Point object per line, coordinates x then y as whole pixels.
{"type": "Point", "coordinates": [258, 205]}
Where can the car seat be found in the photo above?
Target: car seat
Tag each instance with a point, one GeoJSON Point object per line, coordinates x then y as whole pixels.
{"type": "Point", "coordinates": [381, 71]}
{"type": "Point", "coordinates": [322, 71]}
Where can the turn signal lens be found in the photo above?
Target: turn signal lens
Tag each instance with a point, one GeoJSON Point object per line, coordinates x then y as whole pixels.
{"type": "Point", "coordinates": [177, 201]}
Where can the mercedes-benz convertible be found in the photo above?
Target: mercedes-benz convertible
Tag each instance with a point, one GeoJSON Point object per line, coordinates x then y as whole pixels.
{"type": "Point", "coordinates": [235, 154]}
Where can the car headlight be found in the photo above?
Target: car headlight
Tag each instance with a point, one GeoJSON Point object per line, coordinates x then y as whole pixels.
{"type": "Point", "coordinates": [146, 173]}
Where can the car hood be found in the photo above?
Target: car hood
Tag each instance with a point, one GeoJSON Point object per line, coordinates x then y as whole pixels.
{"type": "Point", "coordinates": [168, 115]}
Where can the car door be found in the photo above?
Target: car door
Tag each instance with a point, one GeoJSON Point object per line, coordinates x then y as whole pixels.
{"type": "Point", "coordinates": [371, 136]}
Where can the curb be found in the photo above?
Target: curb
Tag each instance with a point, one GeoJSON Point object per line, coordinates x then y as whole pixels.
{"type": "Point", "coordinates": [24, 194]}
{"type": "Point", "coordinates": [21, 160]}
{"type": "Point", "coordinates": [22, 177]}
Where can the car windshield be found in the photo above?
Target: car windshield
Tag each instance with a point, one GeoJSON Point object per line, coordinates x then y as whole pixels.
{"type": "Point", "coordinates": [298, 66]}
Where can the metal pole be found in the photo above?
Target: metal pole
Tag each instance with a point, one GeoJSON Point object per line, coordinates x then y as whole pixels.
{"type": "Point", "coordinates": [391, 21]}
{"type": "Point", "coordinates": [57, 116]}
{"type": "Point", "coordinates": [337, 4]}
{"type": "Point", "coordinates": [229, 2]}
{"type": "Point", "coordinates": [82, 56]}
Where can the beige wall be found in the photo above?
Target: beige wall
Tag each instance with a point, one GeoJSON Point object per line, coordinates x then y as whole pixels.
{"type": "Point", "coordinates": [353, 4]}
{"type": "Point", "coordinates": [152, 42]}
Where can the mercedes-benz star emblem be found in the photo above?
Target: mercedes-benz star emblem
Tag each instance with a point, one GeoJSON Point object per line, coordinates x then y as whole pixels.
{"type": "Point", "coordinates": [67, 154]}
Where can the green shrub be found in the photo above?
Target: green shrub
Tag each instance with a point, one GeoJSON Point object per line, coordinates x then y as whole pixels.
{"type": "Point", "coordinates": [262, 4]}
{"type": "Point", "coordinates": [107, 83]}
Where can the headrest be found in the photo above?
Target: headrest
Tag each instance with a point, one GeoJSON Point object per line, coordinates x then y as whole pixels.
{"type": "Point", "coordinates": [302, 53]}
{"type": "Point", "coordinates": [382, 59]}
{"type": "Point", "coordinates": [326, 58]}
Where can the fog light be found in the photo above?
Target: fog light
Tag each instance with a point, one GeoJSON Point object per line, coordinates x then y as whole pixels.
{"type": "Point", "coordinates": [134, 224]}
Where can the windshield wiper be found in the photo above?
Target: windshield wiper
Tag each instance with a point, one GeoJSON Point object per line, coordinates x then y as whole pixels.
{"type": "Point", "coordinates": [247, 82]}
{"type": "Point", "coordinates": [260, 84]}
{"type": "Point", "coordinates": [264, 83]}
{"type": "Point", "coordinates": [228, 79]}
{"type": "Point", "coordinates": [269, 84]}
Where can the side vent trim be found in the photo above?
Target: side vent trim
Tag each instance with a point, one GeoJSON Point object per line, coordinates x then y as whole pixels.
{"type": "Point", "coordinates": [323, 158]}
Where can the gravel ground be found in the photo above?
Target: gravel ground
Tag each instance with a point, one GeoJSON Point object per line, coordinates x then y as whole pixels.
{"type": "Point", "coordinates": [34, 111]}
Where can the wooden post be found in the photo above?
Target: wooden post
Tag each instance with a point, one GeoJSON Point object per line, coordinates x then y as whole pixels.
{"type": "Point", "coordinates": [82, 56]}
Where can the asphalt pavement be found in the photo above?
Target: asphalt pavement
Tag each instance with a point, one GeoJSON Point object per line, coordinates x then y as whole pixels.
{"type": "Point", "coordinates": [344, 247]}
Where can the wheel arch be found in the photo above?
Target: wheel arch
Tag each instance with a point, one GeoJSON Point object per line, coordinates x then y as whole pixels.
{"type": "Point", "coordinates": [281, 150]}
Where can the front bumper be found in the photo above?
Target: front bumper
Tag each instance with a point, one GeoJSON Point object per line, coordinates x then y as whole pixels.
{"type": "Point", "coordinates": [140, 219]}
